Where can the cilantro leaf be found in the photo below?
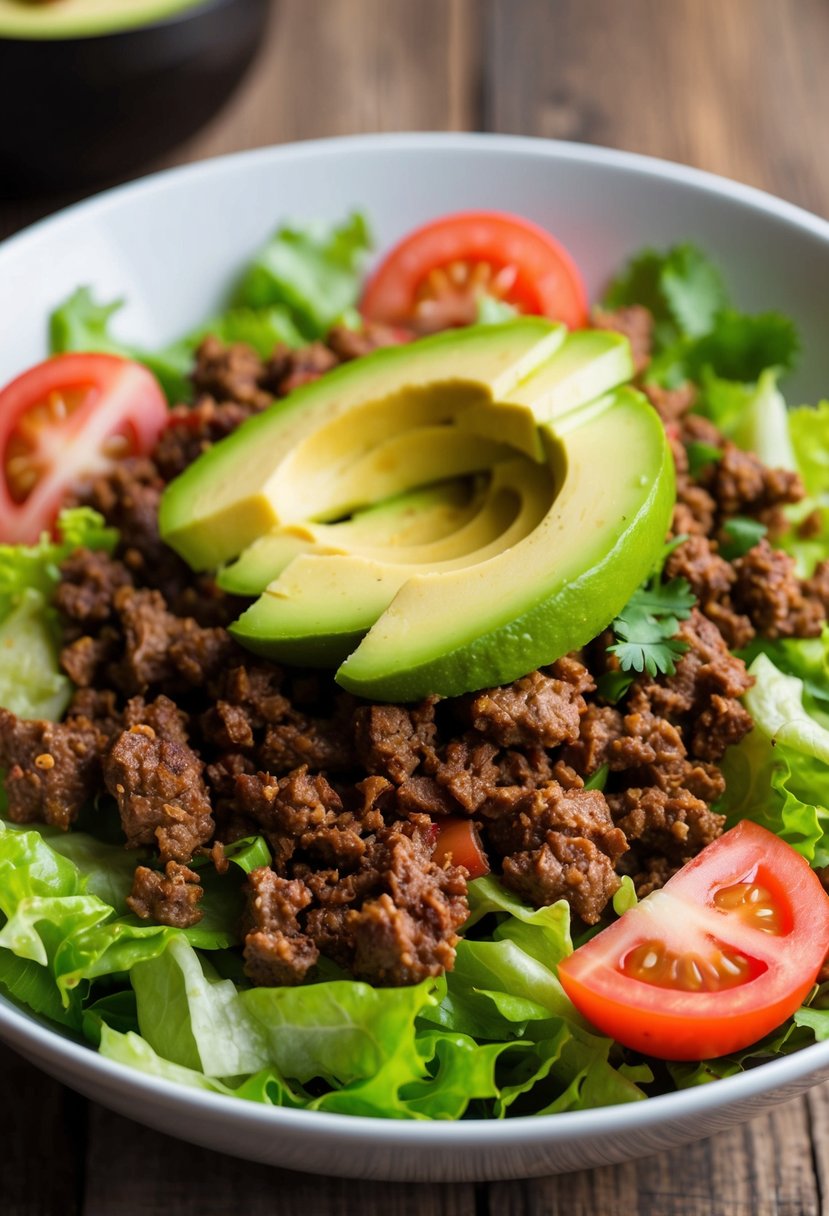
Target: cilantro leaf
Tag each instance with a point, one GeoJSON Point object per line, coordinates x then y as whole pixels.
{"type": "Point", "coordinates": [648, 624]}
{"type": "Point", "coordinates": [696, 329]}
{"type": "Point", "coordinates": [740, 346]}
{"type": "Point", "coordinates": [681, 288]}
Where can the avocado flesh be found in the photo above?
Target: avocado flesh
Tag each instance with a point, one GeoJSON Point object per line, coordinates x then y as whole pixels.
{"type": "Point", "coordinates": [81, 18]}
{"type": "Point", "coordinates": [421, 516]}
{"type": "Point", "coordinates": [402, 462]}
{"type": "Point", "coordinates": [322, 604]}
{"type": "Point", "coordinates": [225, 500]}
{"type": "Point", "coordinates": [551, 593]}
{"type": "Point", "coordinates": [587, 365]}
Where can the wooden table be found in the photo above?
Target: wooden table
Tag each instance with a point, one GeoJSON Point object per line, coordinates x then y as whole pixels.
{"type": "Point", "coordinates": [740, 87]}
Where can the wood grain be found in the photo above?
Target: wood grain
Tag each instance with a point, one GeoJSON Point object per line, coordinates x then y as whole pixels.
{"type": "Point", "coordinates": [42, 1134]}
{"type": "Point", "coordinates": [738, 87]}
{"type": "Point", "coordinates": [132, 1170]}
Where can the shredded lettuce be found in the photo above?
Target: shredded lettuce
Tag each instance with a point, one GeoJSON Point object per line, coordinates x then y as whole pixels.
{"type": "Point", "coordinates": [778, 775]}
{"type": "Point", "coordinates": [304, 280]}
{"type": "Point", "coordinates": [81, 323]}
{"type": "Point", "coordinates": [312, 270]}
{"type": "Point", "coordinates": [31, 683]}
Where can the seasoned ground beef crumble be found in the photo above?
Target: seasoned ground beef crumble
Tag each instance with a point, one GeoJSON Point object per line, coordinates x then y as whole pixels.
{"type": "Point", "coordinates": [199, 744]}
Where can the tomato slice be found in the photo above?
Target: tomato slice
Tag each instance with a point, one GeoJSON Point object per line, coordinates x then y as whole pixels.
{"type": "Point", "coordinates": [717, 959]}
{"type": "Point", "coordinates": [435, 277]}
{"type": "Point", "coordinates": [69, 417]}
{"type": "Point", "coordinates": [458, 844]}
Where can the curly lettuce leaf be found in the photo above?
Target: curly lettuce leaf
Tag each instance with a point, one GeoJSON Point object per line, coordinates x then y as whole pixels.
{"type": "Point", "coordinates": [31, 683]}
{"type": "Point", "coordinates": [778, 775]}
{"type": "Point", "coordinates": [313, 270]}
{"type": "Point", "coordinates": [81, 323]}
{"type": "Point", "coordinates": [809, 431]}
{"type": "Point", "coordinates": [191, 1016]}
{"type": "Point", "coordinates": [37, 567]}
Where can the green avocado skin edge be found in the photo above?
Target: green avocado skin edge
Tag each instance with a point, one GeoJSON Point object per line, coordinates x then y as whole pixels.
{"type": "Point", "coordinates": [549, 627]}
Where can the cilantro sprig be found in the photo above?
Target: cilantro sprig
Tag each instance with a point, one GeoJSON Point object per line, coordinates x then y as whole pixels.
{"type": "Point", "coordinates": [697, 331]}
{"type": "Point", "coordinates": [646, 630]}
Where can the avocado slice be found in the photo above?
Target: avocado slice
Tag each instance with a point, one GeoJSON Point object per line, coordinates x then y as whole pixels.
{"type": "Point", "coordinates": [552, 592]}
{"type": "Point", "coordinates": [76, 18]}
{"type": "Point", "coordinates": [236, 491]}
{"type": "Point", "coordinates": [323, 603]}
{"type": "Point", "coordinates": [587, 365]}
{"type": "Point", "coordinates": [422, 516]}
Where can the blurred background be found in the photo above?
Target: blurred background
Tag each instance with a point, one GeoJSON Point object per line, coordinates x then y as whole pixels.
{"type": "Point", "coordinates": [737, 87]}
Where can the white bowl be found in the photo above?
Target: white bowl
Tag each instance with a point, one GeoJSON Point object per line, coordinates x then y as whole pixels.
{"type": "Point", "coordinates": [172, 244]}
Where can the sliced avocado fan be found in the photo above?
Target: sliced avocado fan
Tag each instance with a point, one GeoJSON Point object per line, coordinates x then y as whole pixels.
{"type": "Point", "coordinates": [438, 517]}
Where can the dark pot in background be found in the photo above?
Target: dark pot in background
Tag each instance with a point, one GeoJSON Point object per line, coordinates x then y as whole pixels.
{"type": "Point", "coordinates": [76, 111]}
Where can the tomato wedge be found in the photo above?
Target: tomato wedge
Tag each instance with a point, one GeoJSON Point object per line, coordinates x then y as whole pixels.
{"type": "Point", "coordinates": [69, 417]}
{"type": "Point", "coordinates": [458, 844]}
{"type": "Point", "coordinates": [717, 959]}
{"type": "Point", "coordinates": [434, 278]}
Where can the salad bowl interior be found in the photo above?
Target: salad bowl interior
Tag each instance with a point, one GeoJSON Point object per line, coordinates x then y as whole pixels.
{"type": "Point", "coordinates": [171, 245]}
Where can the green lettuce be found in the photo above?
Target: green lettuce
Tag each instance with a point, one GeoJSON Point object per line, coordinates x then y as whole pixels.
{"type": "Point", "coordinates": [81, 323]}
{"type": "Point", "coordinates": [809, 432]}
{"type": "Point", "coordinates": [31, 682]}
{"type": "Point", "coordinates": [778, 775]}
{"type": "Point", "coordinates": [296, 287]}
{"type": "Point", "coordinates": [312, 270]}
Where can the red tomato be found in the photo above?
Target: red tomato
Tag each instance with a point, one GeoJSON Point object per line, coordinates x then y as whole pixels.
{"type": "Point", "coordinates": [457, 844]}
{"type": "Point", "coordinates": [64, 419]}
{"type": "Point", "coordinates": [723, 954]}
{"type": "Point", "coordinates": [435, 276]}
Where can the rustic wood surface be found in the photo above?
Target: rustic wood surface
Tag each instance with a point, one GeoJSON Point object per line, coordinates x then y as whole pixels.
{"type": "Point", "coordinates": [736, 86]}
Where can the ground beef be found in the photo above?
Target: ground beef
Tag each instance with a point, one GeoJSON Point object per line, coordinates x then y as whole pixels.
{"type": "Point", "coordinates": [768, 590]}
{"type": "Point", "coordinates": [701, 697]}
{"type": "Point", "coordinates": [85, 658]}
{"type": "Point", "coordinates": [200, 744]}
{"type": "Point", "coordinates": [89, 581]}
{"type": "Point", "coordinates": [233, 373]}
{"type": "Point", "coordinates": [817, 587]}
{"type": "Point", "coordinates": [288, 369]}
{"type": "Point", "coordinates": [672, 404]}
{"type": "Point", "coordinates": [636, 323]}
{"type": "Point", "coordinates": [537, 710]}
{"type": "Point", "coordinates": [406, 926]}
{"type": "Point", "coordinates": [160, 791]}
{"type": "Point", "coordinates": [391, 740]}
{"type": "Point", "coordinates": [168, 898]}
{"type": "Point", "coordinates": [191, 430]}
{"type": "Point", "coordinates": [52, 768]}
{"type": "Point", "coordinates": [673, 824]}
{"type": "Point", "coordinates": [711, 578]}
{"type": "Point", "coordinates": [276, 950]}
{"type": "Point", "coordinates": [556, 844]}
{"type": "Point", "coordinates": [346, 343]}
{"type": "Point", "coordinates": [742, 485]}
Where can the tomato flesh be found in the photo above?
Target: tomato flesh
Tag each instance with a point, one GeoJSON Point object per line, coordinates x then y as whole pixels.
{"type": "Point", "coordinates": [718, 958]}
{"type": "Point", "coordinates": [66, 419]}
{"type": "Point", "coordinates": [457, 844]}
{"type": "Point", "coordinates": [434, 278]}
